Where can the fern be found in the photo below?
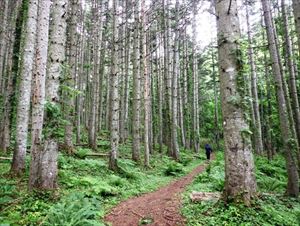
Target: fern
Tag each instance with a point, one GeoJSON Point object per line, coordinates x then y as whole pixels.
{"type": "Point", "coordinates": [75, 210]}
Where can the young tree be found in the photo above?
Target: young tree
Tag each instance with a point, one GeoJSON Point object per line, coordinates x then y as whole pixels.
{"type": "Point", "coordinates": [239, 165]}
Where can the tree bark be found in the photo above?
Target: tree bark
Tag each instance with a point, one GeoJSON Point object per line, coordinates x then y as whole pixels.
{"type": "Point", "coordinates": [136, 89]}
{"type": "Point", "coordinates": [255, 104]}
{"type": "Point", "coordinates": [18, 163]}
{"type": "Point", "coordinates": [114, 97]}
{"type": "Point", "coordinates": [38, 153]}
{"type": "Point", "coordinates": [240, 181]}
{"type": "Point", "coordinates": [293, 178]}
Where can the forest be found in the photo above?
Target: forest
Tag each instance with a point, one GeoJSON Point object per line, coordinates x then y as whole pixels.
{"type": "Point", "coordinates": [144, 112]}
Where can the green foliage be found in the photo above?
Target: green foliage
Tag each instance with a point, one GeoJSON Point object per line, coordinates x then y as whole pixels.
{"type": "Point", "coordinates": [74, 210]}
{"type": "Point", "coordinates": [267, 209]}
{"type": "Point", "coordinates": [54, 122]}
{"type": "Point", "coordinates": [82, 152]}
{"type": "Point", "coordinates": [173, 169]}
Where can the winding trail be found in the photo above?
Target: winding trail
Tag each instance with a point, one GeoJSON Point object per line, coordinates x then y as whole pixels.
{"type": "Point", "coordinates": [161, 207]}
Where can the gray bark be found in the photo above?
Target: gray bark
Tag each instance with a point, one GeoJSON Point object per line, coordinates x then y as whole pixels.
{"type": "Point", "coordinates": [18, 164]}
{"type": "Point", "coordinates": [293, 177]}
{"type": "Point", "coordinates": [38, 97]}
{"type": "Point", "coordinates": [114, 97]}
{"type": "Point", "coordinates": [239, 165]}
{"type": "Point", "coordinates": [136, 89]}
{"type": "Point", "coordinates": [255, 104]}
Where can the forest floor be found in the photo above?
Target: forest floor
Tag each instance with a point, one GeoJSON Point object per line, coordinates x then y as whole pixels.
{"type": "Point", "coordinates": [158, 208]}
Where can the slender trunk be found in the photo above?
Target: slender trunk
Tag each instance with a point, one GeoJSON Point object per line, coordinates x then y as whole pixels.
{"type": "Point", "coordinates": [296, 11]}
{"type": "Point", "coordinates": [146, 88]}
{"type": "Point", "coordinates": [136, 89]}
{"type": "Point", "coordinates": [176, 63]}
{"type": "Point", "coordinates": [114, 97]}
{"type": "Point", "coordinates": [195, 88]}
{"type": "Point", "coordinates": [255, 104]}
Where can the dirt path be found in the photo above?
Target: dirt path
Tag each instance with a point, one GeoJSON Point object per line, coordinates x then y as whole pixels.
{"type": "Point", "coordinates": [162, 207]}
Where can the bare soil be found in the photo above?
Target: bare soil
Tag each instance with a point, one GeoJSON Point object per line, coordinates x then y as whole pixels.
{"type": "Point", "coordinates": [158, 208]}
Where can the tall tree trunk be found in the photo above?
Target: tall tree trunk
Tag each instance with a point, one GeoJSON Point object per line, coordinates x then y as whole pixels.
{"type": "Point", "coordinates": [175, 146]}
{"type": "Point", "coordinates": [3, 42]}
{"type": "Point", "coordinates": [255, 104]}
{"type": "Point", "coordinates": [239, 165]}
{"type": "Point", "coordinates": [10, 70]}
{"type": "Point", "coordinates": [293, 178]}
{"type": "Point", "coordinates": [195, 110]}
{"type": "Point", "coordinates": [296, 11]}
{"type": "Point", "coordinates": [114, 97]}
{"type": "Point", "coordinates": [70, 78]}
{"type": "Point", "coordinates": [292, 74]}
{"type": "Point", "coordinates": [136, 88]}
{"type": "Point", "coordinates": [18, 164]}
{"type": "Point", "coordinates": [146, 87]}
{"type": "Point", "coordinates": [216, 102]}
{"type": "Point", "coordinates": [38, 155]}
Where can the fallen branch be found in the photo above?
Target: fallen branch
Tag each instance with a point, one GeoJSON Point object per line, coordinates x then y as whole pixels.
{"type": "Point", "coordinates": [97, 154]}
{"type": "Point", "coordinates": [6, 158]}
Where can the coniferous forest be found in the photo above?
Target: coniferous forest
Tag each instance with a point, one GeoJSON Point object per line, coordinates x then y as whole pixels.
{"type": "Point", "coordinates": [143, 112]}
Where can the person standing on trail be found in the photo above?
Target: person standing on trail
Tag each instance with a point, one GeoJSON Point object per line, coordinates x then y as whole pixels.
{"type": "Point", "coordinates": [208, 151]}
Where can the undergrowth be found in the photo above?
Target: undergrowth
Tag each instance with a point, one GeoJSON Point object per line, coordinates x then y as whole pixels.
{"type": "Point", "coordinates": [87, 188]}
{"type": "Point", "coordinates": [270, 208]}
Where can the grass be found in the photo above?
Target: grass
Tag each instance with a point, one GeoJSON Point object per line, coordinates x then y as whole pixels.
{"type": "Point", "coordinates": [270, 208]}
{"type": "Point", "coordinates": [87, 188]}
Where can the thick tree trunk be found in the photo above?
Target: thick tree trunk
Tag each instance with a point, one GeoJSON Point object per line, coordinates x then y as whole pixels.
{"type": "Point", "coordinates": [38, 152]}
{"type": "Point", "coordinates": [70, 78]}
{"type": "Point", "coordinates": [18, 164]}
{"type": "Point", "coordinates": [293, 178]}
{"type": "Point", "coordinates": [239, 165]}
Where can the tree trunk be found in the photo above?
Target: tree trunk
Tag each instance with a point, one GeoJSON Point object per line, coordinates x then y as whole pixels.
{"type": "Point", "coordinates": [136, 89]}
{"type": "Point", "coordinates": [255, 104]}
{"type": "Point", "coordinates": [175, 146]}
{"type": "Point", "coordinates": [195, 110]}
{"type": "Point", "coordinates": [293, 178]}
{"type": "Point", "coordinates": [114, 97]}
{"type": "Point", "coordinates": [296, 11]}
{"type": "Point", "coordinates": [146, 88]}
{"type": "Point", "coordinates": [18, 163]}
{"type": "Point", "coordinates": [239, 165]}
{"type": "Point", "coordinates": [38, 150]}
{"type": "Point", "coordinates": [70, 78]}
